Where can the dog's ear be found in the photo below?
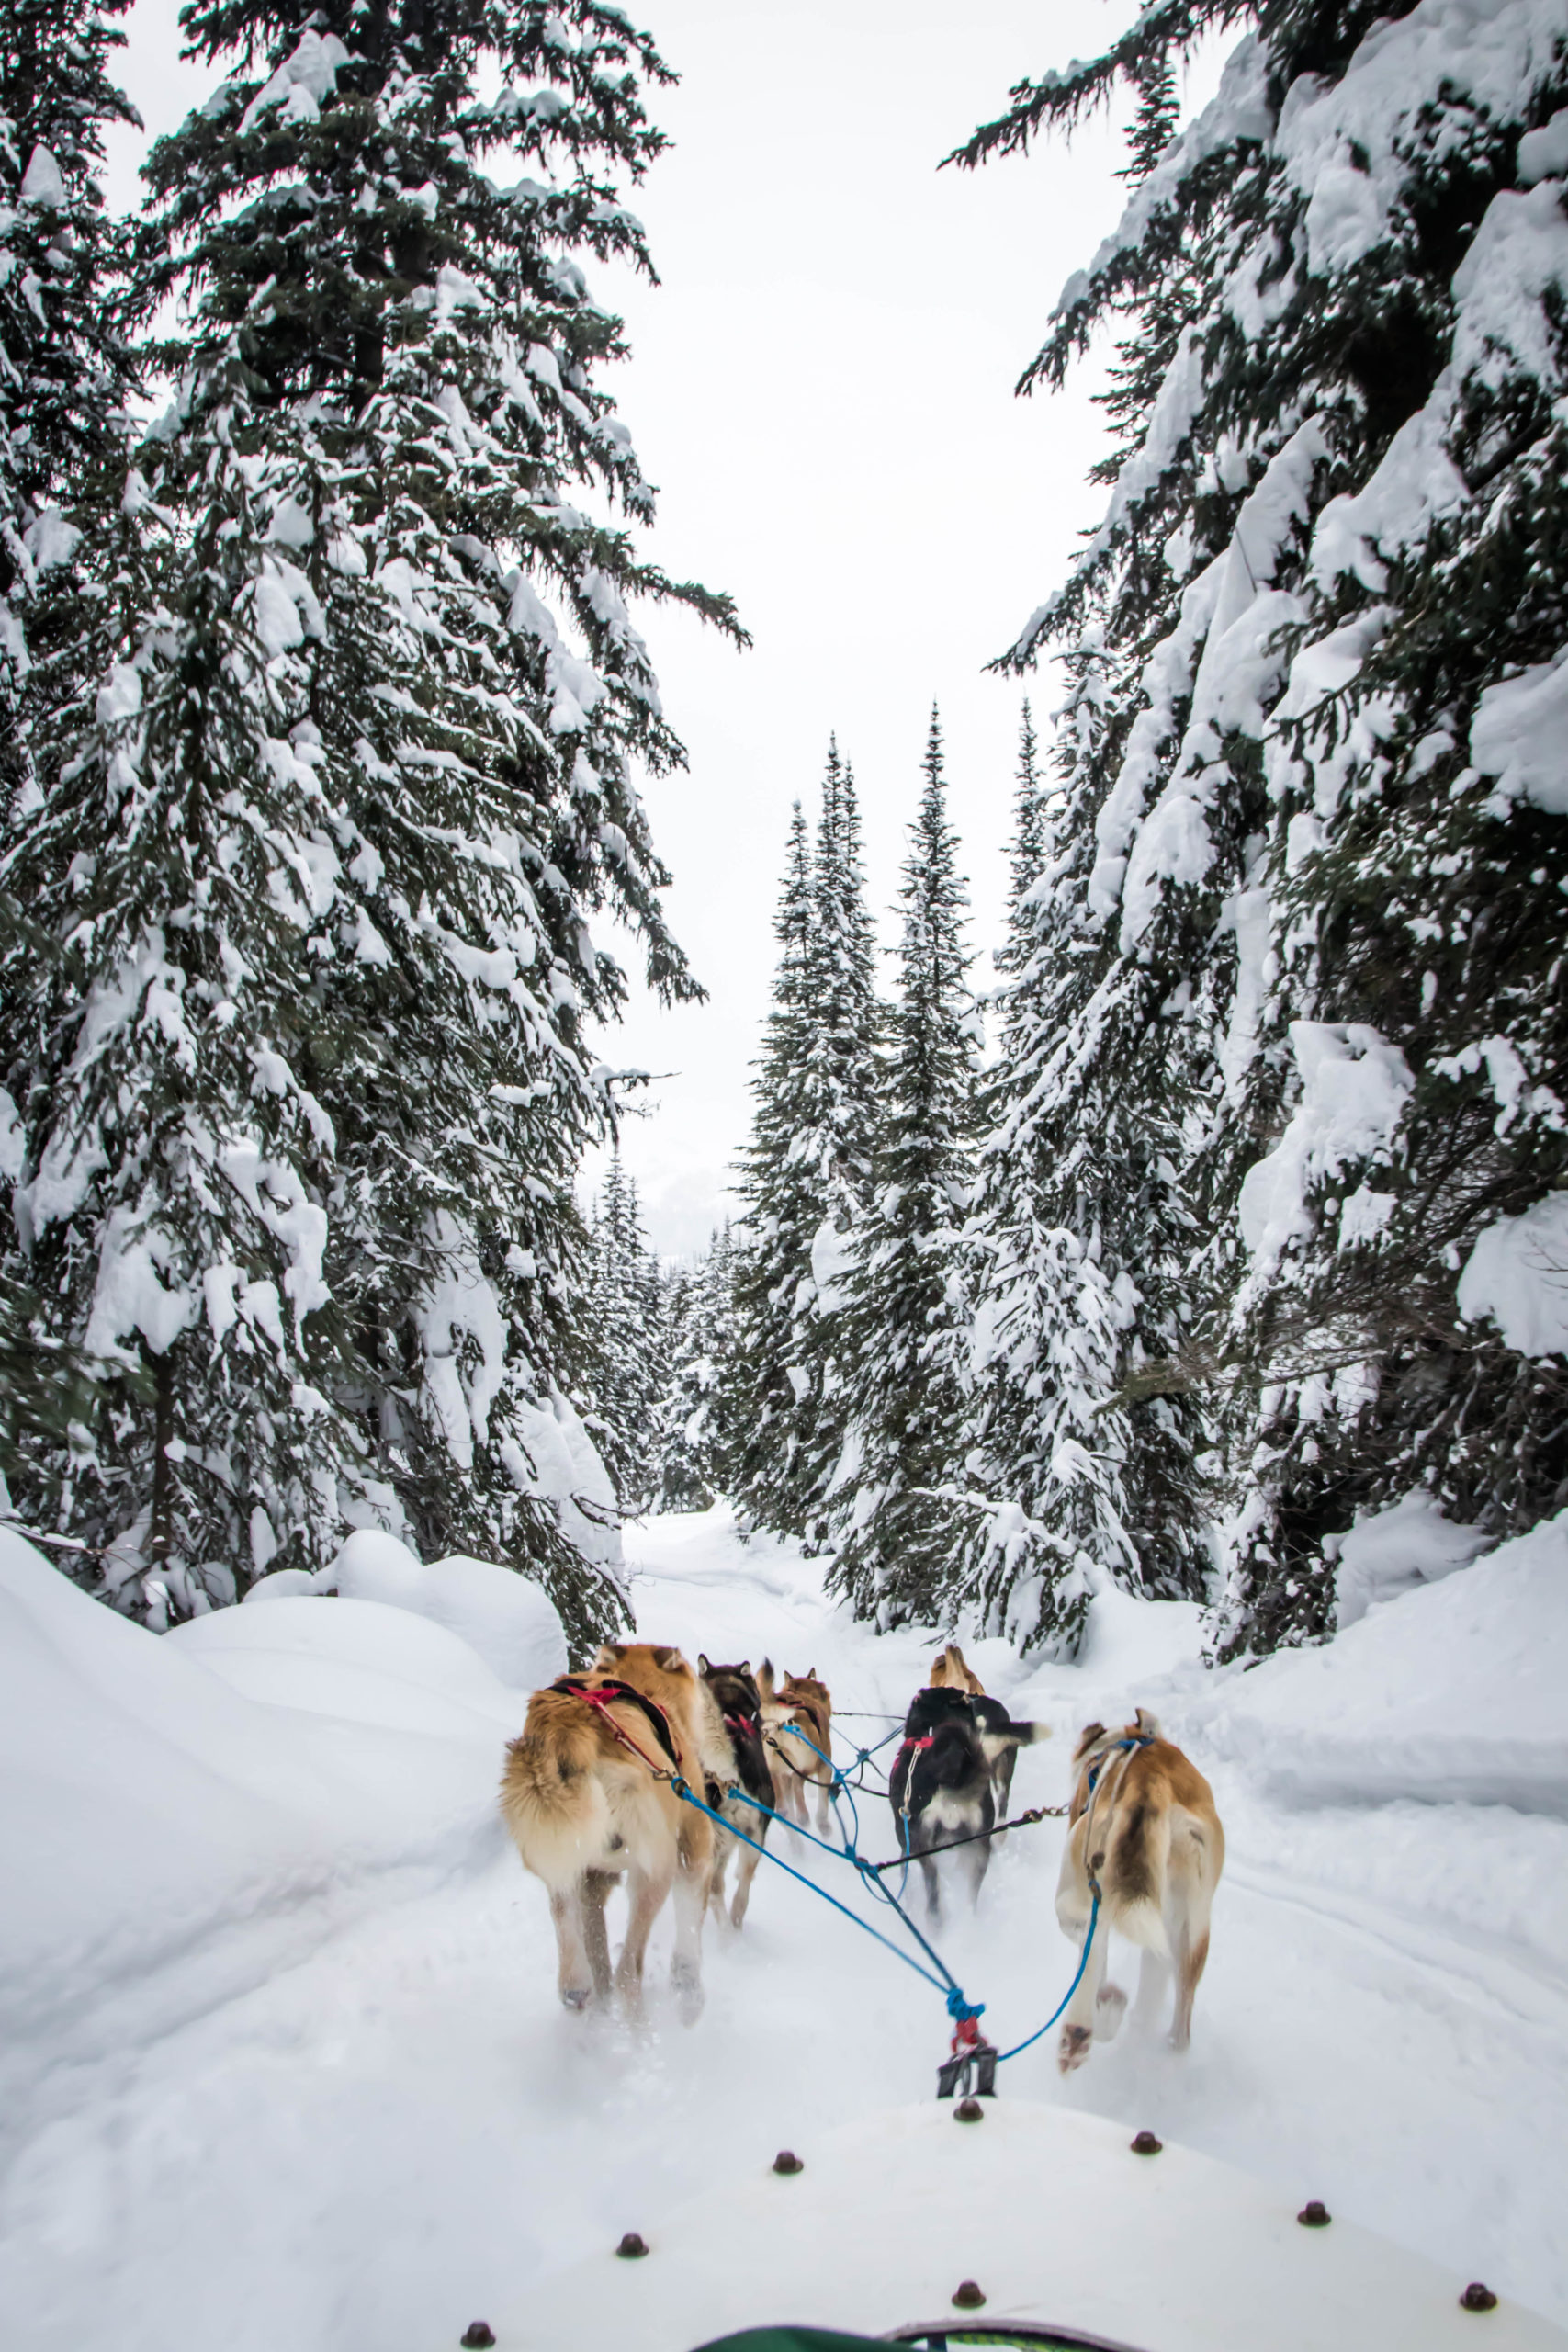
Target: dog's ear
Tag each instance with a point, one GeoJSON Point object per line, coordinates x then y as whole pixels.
{"type": "Point", "coordinates": [702, 1665]}
{"type": "Point", "coordinates": [1148, 1725]}
{"type": "Point", "coordinates": [1086, 1737]}
{"type": "Point", "coordinates": [670, 1659]}
{"type": "Point", "coordinates": [744, 1667]}
{"type": "Point", "coordinates": [610, 1654]}
{"type": "Point", "coordinates": [810, 1675]}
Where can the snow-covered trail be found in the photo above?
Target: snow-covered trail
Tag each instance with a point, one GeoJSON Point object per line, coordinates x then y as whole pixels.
{"type": "Point", "coordinates": [397, 2130]}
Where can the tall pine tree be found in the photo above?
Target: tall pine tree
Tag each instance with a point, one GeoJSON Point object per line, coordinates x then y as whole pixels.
{"type": "Point", "coordinates": [843, 1108]}
{"type": "Point", "coordinates": [782, 1188]}
{"type": "Point", "coordinates": [698, 1417]}
{"type": "Point", "coordinates": [903, 1338]}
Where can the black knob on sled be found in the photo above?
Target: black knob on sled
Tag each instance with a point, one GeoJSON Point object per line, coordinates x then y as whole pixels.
{"type": "Point", "coordinates": [1314, 2215]}
{"type": "Point", "coordinates": [969, 2111]}
{"type": "Point", "coordinates": [1477, 2297]}
{"type": "Point", "coordinates": [477, 2335]}
{"type": "Point", "coordinates": [1146, 2145]}
{"type": "Point", "coordinates": [968, 2296]}
{"type": "Point", "coordinates": [631, 2246]}
{"type": "Point", "coordinates": [788, 2161]}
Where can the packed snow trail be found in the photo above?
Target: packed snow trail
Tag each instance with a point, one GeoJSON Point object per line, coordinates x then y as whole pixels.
{"type": "Point", "coordinates": [374, 2121]}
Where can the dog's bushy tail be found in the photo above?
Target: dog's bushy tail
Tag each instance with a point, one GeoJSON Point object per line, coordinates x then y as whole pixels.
{"type": "Point", "coordinates": [551, 1799]}
{"type": "Point", "coordinates": [1133, 1875]}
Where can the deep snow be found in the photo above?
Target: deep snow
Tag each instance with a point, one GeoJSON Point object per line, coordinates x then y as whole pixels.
{"type": "Point", "coordinates": [283, 2062]}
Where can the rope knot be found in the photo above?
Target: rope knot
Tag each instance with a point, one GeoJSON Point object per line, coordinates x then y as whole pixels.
{"type": "Point", "coordinates": [960, 2011]}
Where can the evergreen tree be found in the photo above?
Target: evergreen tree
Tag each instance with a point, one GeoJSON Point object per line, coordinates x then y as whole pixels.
{"type": "Point", "coordinates": [65, 370]}
{"type": "Point", "coordinates": [841, 1106]}
{"type": "Point", "coordinates": [1027, 852]}
{"type": "Point", "coordinates": [175, 1160]}
{"type": "Point", "coordinates": [697, 1416]}
{"type": "Point", "coordinates": [1042, 1450]}
{"type": "Point", "coordinates": [1310, 794]}
{"type": "Point", "coordinates": [387, 408]}
{"type": "Point", "coordinates": [624, 1309]}
{"type": "Point", "coordinates": [903, 1331]}
{"type": "Point", "coordinates": [782, 1187]}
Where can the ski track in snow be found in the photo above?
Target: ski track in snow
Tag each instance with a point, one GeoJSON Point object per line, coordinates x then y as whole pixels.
{"type": "Point", "coordinates": [367, 2142]}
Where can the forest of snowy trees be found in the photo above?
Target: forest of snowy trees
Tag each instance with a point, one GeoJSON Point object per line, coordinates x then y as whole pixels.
{"type": "Point", "coordinates": [1255, 1220]}
{"type": "Point", "coordinates": [1219, 1203]}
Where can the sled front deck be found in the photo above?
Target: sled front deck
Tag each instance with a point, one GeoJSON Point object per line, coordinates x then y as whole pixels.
{"type": "Point", "coordinates": [1050, 2215]}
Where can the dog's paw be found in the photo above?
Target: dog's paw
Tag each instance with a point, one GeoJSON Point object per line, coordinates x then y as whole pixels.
{"type": "Point", "coordinates": [575, 1997]}
{"type": "Point", "coordinates": [1110, 2008]}
{"type": "Point", "coordinates": [687, 1987]}
{"type": "Point", "coordinates": [1073, 2048]}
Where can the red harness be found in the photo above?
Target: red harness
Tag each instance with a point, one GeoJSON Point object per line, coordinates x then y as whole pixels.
{"type": "Point", "coordinates": [601, 1695]}
{"type": "Point", "coordinates": [913, 1747]}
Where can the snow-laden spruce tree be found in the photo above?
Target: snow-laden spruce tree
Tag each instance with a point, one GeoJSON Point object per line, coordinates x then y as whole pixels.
{"type": "Point", "coordinates": [782, 1188]}
{"type": "Point", "coordinates": [174, 1160]}
{"type": "Point", "coordinates": [66, 370]}
{"type": "Point", "coordinates": [1313, 771]}
{"type": "Point", "coordinates": [1044, 1451]}
{"type": "Point", "coordinates": [697, 1415]}
{"type": "Point", "coordinates": [902, 1332]}
{"type": "Point", "coordinates": [623, 1319]}
{"type": "Point", "coordinates": [64, 376]}
{"type": "Point", "coordinates": [841, 1106]}
{"type": "Point", "coordinates": [394, 348]}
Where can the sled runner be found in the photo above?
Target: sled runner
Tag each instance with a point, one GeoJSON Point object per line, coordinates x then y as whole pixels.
{"type": "Point", "coordinates": [1044, 2223]}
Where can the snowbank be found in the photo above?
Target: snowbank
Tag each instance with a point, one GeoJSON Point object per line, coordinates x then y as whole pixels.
{"type": "Point", "coordinates": [507, 1619]}
{"type": "Point", "coordinates": [1409, 1544]}
{"type": "Point", "coordinates": [253, 1767]}
{"type": "Point", "coordinates": [1452, 1692]}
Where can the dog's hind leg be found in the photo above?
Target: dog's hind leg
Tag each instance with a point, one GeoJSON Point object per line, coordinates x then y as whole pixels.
{"type": "Point", "coordinates": [574, 1977]}
{"type": "Point", "coordinates": [824, 1802]}
{"type": "Point", "coordinates": [1154, 1981]}
{"type": "Point", "coordinates": [596, 1886]}
{"type": "Point", "coordinates": [1001, 1778]}
{"type": "Point", "coordinates": [745, 1871]}
{"type": "Point", "coordinates": [1080, 2019]}
{"type": "Point", "coordinates": [691, 1903]}
{"type": "Point", "coordinates": [722, 1843]}
{"type": "Point", "coordinates": [1192, 1953]}
{"type": "Point", "coordinates": [648, 1889]}
{"type": "Point", "coordinates": [929, 1873]}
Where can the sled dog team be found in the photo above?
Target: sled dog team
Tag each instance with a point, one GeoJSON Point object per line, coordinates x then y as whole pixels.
{"type": "Point", "coordinates": [588, 1794]}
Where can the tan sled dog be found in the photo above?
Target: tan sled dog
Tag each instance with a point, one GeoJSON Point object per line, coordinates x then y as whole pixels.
{"type": "Point", "coordinates": [951, 1671]}
{"type": "Point", "coordinates": [1143, 1821]}
{"type": "Point", "coordinates": [585, 1808]}
{"type": "Point", "coordinates": [797, 1729]}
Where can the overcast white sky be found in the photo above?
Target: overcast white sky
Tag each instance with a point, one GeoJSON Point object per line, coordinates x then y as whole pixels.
{"type": "Point", "coordinates": [822, 388]}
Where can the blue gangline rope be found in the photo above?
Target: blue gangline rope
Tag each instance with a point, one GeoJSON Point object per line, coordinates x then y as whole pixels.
{"type": "Point", "coordinates": [958, 2007]}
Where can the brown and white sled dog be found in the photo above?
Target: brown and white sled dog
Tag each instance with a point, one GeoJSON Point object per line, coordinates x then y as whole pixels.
{"type": "Point", "coordinates": [1001, 1737]}
{"type": "Point", "coordinates": [731, 1693]}
{"type": "Point", "coordinates": [797, 1726]}
{"type": "Point", "coordinates": [585, 1812]}
{"type": "Point", "coordinates": [1142, 1820]}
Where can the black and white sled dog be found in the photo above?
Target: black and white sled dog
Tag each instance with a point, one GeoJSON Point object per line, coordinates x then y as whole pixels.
{"type": "Point", "coordinates": [942, 1785]}
{"type": "Point", "coordinates": [1001, 1737]}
